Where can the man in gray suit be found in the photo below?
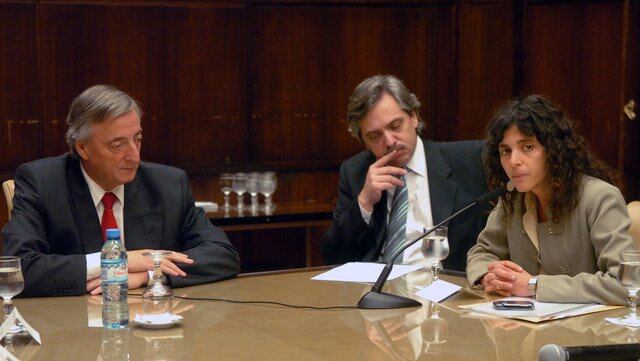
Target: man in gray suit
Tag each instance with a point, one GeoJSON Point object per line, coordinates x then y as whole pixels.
{"type": "Point", "coordinates": [432, 180]}
{"type": "Point", "coordinates": [63, 204]}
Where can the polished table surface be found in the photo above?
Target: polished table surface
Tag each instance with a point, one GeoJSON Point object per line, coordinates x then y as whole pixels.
{"type": "Point", "coordinates": [230, 331]}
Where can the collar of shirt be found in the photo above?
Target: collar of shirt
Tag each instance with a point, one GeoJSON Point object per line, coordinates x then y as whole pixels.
{"type": "Point", "coordinates": [97, 192]}
{"type": "Point", "coordinates": [418, 161]}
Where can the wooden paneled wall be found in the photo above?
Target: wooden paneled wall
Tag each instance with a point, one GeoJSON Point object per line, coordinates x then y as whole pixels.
{"type": "Point", "coordinates": [257, 85]}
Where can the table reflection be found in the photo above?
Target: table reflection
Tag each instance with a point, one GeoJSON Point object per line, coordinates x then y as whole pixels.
{"type": "Point", "coordinates": [114, 345]}
{"type": "Point", "coordinates": [162, 345]}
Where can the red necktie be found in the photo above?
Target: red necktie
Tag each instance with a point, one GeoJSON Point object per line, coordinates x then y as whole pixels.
{"type": "Point", "coordinates": [108, 219]}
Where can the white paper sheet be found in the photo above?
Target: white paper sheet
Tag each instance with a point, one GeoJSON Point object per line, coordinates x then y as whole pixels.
{"type": "Point", "coordinates": [362, 272]}
{"type": "Point", "coordinates": [6, 355]}
{"type": "Point", "coordinates": [27, 326]}
{"type": "Point", "coordinates": [541, 311]}
{"type": "Point", "coordinates": [207, 206]}
{"type": "Point", "coordinates": [616, 322]}
{"type": "Point", "coordinates": [438, 290]}
{"type": "Point", "coordinates": [10, 321]}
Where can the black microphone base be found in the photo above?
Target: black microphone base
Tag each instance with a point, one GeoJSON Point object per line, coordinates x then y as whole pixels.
{"type": "Point", "coordinates": [382, 300]}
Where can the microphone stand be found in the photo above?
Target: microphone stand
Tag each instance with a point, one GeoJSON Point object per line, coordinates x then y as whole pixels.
{"type": "Point", "coordinates": [376, 299]}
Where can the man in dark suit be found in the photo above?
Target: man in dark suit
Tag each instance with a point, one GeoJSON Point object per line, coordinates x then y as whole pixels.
{"type": "Point", "coordinates": [432, 180]}
{"type": "Point", "coordinates": [63, 204]}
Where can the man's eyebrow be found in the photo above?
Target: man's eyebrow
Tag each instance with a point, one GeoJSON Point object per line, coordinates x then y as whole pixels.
{"type": "Point", "coordinates": [115, 139]}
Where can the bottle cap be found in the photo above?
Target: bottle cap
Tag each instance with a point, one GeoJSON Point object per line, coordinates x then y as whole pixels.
{"type": "Point", "coordinates": [113, 233]}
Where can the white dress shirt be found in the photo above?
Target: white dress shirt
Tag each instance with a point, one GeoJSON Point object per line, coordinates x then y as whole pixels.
{"type": "Point", "coordinates": [419, 214]}
{"type": "Point", "coordinates": [93, 259]}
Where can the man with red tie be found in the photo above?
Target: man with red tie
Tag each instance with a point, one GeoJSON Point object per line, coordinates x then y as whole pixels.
{"type": "Point", "coordinates": [63, 205]}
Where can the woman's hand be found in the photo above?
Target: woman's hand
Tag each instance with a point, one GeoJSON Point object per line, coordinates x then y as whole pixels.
{"type": "Point", "coordinates": [507, 279]}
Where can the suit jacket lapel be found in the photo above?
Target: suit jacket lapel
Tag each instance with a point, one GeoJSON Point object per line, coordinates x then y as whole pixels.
{"type": "Point", "coordinates": [441, 190]}
{"type": "Point", "coordinates": [83, 210]}
{"type": "Point", "coordinates": [142, 217]}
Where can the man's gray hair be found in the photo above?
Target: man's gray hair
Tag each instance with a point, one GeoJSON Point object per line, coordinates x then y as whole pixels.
{"type": "Point", "coordinates": [370, 91]}
{"type": "Point", "coordinates": [95, 105]}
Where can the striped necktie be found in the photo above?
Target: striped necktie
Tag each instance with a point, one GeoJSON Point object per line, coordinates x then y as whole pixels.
{"type": "Point", "coordinates": [397, 225]}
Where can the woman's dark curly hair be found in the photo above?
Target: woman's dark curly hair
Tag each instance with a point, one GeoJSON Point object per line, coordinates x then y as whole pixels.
{"type": "Point", "coordinates": [568, 157]}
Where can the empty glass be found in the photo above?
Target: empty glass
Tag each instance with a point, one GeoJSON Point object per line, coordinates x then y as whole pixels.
{"type": "Point", "coordinates": [268, 185]}
{"type": "Point", "coordinates": [240, 187]}
{"type": "Point", "coordinates": [253, 187]}
{"type": "Point", "coordinates": [11, 284]}
{"type": "Point", "coordinates": [435, 248]}
{"type": "Point", "coordinates": [158, 297]}
{"type": "Point", "coordinates": [226, 182]}
{"type": "Point", "coordinates": [629, 276]}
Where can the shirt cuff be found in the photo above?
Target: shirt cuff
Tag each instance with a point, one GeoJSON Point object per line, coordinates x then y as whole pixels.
{"type": "Point", "coordinates": [366, 216]}
{"type": "Point", "coordinates": [93, 265]}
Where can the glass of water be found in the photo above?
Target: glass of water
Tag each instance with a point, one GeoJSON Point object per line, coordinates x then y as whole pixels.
{"type": "Point", "coordinates": [11, 284]}
{"type": "Point", "coordinates": [629, 276]}
{"type": "Point", "coordinates": [268, 185]}
{"type": "Point", "coordinates": [435, 248]}
{"type": "Point", "coordinates": [240, 187]}
{"type": "Point", "coordinates": [226, 182]}
{"type": "Point", "coordinates": [158, 297]}
{"type": "Point", "coordinates": [253, 186]}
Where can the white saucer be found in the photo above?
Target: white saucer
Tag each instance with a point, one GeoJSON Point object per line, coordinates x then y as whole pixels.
{"type": "Point", "coordinates": [165, 320]}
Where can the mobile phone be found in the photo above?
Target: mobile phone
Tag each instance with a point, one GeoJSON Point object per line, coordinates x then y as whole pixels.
{"type": "Point", "coordinates": [512, 305]}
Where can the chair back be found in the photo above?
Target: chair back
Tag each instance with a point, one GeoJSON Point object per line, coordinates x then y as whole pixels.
{"type": "Point", "coordinates": [634, 213]}
{"type": "Point", "coordinates": [8, 187]}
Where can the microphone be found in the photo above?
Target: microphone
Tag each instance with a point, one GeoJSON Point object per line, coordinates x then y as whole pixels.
{"type": "Point", "coordinates": [622, 352]}
{"type": "Point", "coordinates": [376, 299]}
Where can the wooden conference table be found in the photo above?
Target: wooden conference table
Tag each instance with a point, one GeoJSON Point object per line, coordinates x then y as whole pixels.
{"type": "Point", "coordinates": [228, 331]}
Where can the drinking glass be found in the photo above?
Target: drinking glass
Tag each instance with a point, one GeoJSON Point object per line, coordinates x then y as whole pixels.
{"type": "Point", "coordinates": [158, 297]}
{"type": "Point", "coordinates": [629, 276]}
{"type": "Point", "coordinates": [268, 185]}
{"type": "Point", "coordinates": [435, 248]}
{"type": "Point", "coordinates": [253, 186]}
{"type": "Point", "coordinates": [11, 284]}
{"type": "Point", "coordinates": [240, 187]}
{"type": "Point", "coordinates": [226, 181]}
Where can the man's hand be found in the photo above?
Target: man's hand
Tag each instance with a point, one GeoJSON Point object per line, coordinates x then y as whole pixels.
{"type": "Point", "coordinates": [380, 177]}
{"type": "Point", "coordinates": [138, 263]}
{"type": "Point", "coordinates": [507, 279]}
{"type": "Point", "coordinates": [136, 280]}
{"type": "Point", "coordinates": [93, 284]}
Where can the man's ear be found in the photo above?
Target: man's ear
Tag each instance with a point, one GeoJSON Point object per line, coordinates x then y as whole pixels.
{"type": "Point", "coordinates": [414, 119]}
{"type": "Point", "coordinates": [81, 148]}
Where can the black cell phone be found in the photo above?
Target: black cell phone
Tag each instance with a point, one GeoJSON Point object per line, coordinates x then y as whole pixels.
{"type": "Point", "coordinates": [513, 305]}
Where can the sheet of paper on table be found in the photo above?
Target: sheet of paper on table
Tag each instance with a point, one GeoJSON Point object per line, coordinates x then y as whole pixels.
{"type": "Point", "coordinates": [207, 206]}
{"type": "Point", "coordinates": [542, 311]}
{"type": "Point", "coordinates": [438, 290]}
{"type": "Point", "coordinates": [362, 272]}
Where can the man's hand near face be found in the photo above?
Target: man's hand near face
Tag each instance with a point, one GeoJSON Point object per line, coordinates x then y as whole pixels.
{"type": "Point", "coordinates": [380, 177]}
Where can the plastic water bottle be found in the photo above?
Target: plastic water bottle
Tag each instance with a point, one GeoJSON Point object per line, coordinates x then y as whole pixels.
{"type": "Point", "coordinates": [114, 276]}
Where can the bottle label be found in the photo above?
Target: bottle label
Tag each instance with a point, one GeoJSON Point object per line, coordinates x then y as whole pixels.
{"type": "Point", "coordinates": [114, 271]}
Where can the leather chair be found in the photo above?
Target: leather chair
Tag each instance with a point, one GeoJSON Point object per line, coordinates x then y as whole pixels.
{"type": "Point", "coordinates": [634, 213]}
{"type": "Point", "coordinates": [9, 187]}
